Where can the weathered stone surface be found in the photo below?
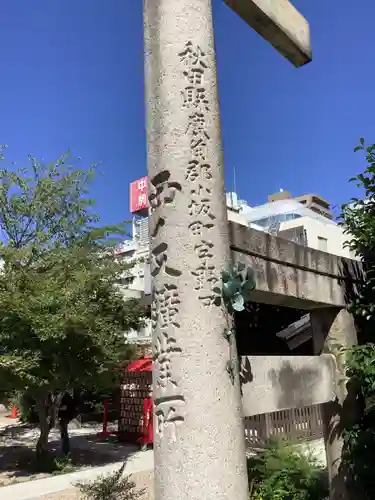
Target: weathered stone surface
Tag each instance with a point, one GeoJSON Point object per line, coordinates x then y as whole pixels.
{"type": "Point", "coordinates": [331, 328]}
{"type": "Point", "coordinates": [279, 22]}
{"type": "Point", "coordinates": [199, 438]}
{"type": "Point", "coordinates": [274, 383]}
{"type": "Point", "coordinates": [293, 275]}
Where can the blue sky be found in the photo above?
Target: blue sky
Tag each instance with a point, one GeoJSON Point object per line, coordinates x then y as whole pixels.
{"type": "Point", "coordinates": [72, 77]}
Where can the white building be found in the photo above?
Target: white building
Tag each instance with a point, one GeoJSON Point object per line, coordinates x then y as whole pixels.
{"type": "Point", "coordinates": [291, 220]}
{"type": "Point", "coordinates": [137, 281]}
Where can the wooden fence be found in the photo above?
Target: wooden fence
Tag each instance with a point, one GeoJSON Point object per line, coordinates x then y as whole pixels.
{"type": "Point", "coordinates": [295, 425]}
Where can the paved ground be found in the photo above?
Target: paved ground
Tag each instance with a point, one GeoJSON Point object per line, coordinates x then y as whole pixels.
{"type": "Point", "coordinates": [4, 420]}
{"type": "Point", "coordinates": [17, 450]}
{"type": "Point", "coordinates": [49, 488]}
{"type": "Point", "coordinates": [144, 481]}
{"type": "Point", "coordinates": [94, 457]}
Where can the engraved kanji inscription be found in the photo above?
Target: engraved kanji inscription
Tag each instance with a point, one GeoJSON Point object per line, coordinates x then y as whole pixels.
{"type": "Point", "coordinates": [162, 192]}
{"type": "Point", "coordinates": [204, 273]}
{"type": "Point", "coordinates": [204, 250]}
{"type": "Point", "coordinates": [165, 307]}
{"type": "Point", "coordinates": [159, 259]}
{"type": "Point", "coordinates": [199, 149]}
{"type": "Point", "coordinates": [164, 348]}
{"type": "Point", "coordinates": [198, 228]}
{"type": "Point", "coordinates": [197, 125]}
{"type": "Point", "coordinates": [201, 191]}
{"type": "Point", "coordinates": [195, 97]}
{"type": "Point", "coordinates": [201, 207]}
{"type": "Point", "coordinates": [193, 55]}
{"type": "Point", "coordinates": [198, 170]}
{"type": "Point", "coordinates": [194, 76]}
{"type": "Point", "coordinates": [156, 225]}
{"type": "Point", "coordinates": [211, 297]}
{"type": "Point", "coordinates": [200, 203]}
{"type": "Point", "coordinates": [168, 412]}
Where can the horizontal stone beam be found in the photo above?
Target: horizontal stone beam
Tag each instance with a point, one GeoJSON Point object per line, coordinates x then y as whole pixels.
{"type": "Point", "coordinates": [280, 23]}
{"type": "Point", "coordinates": [274, 383]}
{"type": "Point", "coordinates": [293, 275]}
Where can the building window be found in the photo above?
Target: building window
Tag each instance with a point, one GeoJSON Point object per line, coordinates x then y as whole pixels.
{"type": "Point", "coordinates": [322, 244]}
{"type": "Point", "coordinates": [320, 202]}
{"type": "Point", "coordinates": [126, 281]}
{"type": "Point", "coordinates": [269, 221]}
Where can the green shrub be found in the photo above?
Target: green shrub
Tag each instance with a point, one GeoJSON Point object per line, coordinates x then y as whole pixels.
{"type": "Point", "coordinates": [359, 434]}
{"type": "Point", "coordinates": [280, 472]}
{"type": "Point", "coordinates": [114, 486]}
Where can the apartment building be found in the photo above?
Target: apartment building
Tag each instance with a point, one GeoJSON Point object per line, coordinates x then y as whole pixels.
{"type": "Point", "coordinates": [309, 223]}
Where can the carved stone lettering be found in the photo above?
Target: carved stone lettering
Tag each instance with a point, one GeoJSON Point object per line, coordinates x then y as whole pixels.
{"type": "Point", "coordinates": [155, 225]}
{"type": "Point", "coordinates": [198, 228]}
{"type": "Point", "coordinates": [194, 76]}
{"type": "Point", "coordinates": [204, 273]}
{"type": "Point", "coordinates": [199, 149]}
{"type": "Point", "coordinates": [164, 347]}
{"type": "Point", "coordinates": [201, 191]}
{"type": "Point", "coordinates": [168, 411]}
{"type": "Point", "coordinates": [211, 298]}
{"type": "Point", "coordinates": [159, 258]}
{"type": "Point", "coordinates": [195, 97]}
{"type": "Point", "coordinates": [201, 202]}
{"type": "Point", "coordinates": [198, 170]}
{"type": "Point", "coordinates": [204, 250]}
{"type": "Point", "coordinates": [162, 190]}
{"type": "Point", "coordinates": [193, 56]}
{"type": "Point", "coordinates": [201, 207]}
{"type": "Point", "coordinates": [165, 307]}
{"type": "Point", "coordinates": [197, 126]}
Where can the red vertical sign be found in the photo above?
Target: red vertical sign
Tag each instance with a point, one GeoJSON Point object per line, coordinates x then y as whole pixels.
{"type": "Point", "coordinates": [139, 195]}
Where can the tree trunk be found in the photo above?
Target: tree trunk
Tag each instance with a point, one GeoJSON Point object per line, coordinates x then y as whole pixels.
{"type": "Point", "coordinates": [42, 444]}
{"type": "Point", "coordinates": [53, 411]}
{"type": "Point", "coordinates": [65, 441]}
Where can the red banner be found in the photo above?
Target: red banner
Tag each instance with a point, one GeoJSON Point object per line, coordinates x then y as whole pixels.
{"type": "Point", "coordinates": [139, 195]}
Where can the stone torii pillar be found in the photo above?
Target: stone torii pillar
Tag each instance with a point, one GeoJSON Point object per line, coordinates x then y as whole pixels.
{"type": "Point", "coordinates": [199, 444]}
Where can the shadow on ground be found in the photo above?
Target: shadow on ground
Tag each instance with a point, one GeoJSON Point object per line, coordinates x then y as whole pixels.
{"type": "Point", "coordinates": [18, 460]}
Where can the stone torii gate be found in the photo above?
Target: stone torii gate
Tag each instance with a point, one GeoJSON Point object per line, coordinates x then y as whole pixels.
{"type": "Point", "coordinates": [199, 440]}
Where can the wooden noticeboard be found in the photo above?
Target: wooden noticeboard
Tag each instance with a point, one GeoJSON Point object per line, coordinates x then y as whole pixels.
{"type": "Point", "coordinates": [136, 386]}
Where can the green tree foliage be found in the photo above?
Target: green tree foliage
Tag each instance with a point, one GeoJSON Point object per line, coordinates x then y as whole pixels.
{"type": "Point", "coordinates": [359, 436]}
{"type": "Point", "coordinates": [62, 315]}
{"type": "Point", "coordinates": [358, 221]}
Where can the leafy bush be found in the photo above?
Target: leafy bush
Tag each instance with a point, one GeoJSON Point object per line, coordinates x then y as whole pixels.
{"type": "Point", "coordinates": [359, 435]}
{"type": "Point", "coordinates": [114, 486]}
{"type": "Point", "coordinates": [280, 472]}
{"type": "Point", "coordinates": [358, 221]}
